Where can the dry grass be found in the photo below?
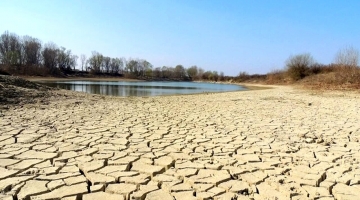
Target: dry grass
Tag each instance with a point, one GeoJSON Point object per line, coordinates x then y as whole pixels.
{"type": "Point", "coordinates": [338, 78]}
{"type": "Point", "coordinates": [244, 77]}
{"type": "Point", "coordinates": [277, 77]}
{"type": "Point", "coordinates": [317, 76]}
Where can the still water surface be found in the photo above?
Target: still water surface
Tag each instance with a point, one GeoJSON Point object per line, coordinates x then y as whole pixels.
{"type": "Point", "coordinates": [123, 88]}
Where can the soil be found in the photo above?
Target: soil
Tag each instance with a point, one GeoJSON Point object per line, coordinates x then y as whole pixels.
{"type": "Point", "coordinates": [15, 90]}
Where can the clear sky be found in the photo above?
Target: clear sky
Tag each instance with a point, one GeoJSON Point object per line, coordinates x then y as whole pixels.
{"type": "Point", "coordinates": [223, 35]}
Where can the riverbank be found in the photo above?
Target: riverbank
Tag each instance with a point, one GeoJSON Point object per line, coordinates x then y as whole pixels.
{"type": "Point", "coordinates": [282, 143]}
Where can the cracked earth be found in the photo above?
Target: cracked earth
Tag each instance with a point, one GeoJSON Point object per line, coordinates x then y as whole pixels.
{"type": "Point", "coordinates": [280, 143]}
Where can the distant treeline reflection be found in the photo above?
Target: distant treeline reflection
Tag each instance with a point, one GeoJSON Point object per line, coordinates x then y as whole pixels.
{"type": "Point", "coordinates": [142, 88]}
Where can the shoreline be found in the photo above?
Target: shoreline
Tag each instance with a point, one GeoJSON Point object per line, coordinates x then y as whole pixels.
{"type": "Point", "coordinates": [247, 86]}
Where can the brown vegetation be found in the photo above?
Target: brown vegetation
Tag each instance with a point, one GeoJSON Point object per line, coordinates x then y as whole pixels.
{"type": "Point", "coordinates": [334, 77]}
{"type": "Point", "coordinates": [317, 76]}
{"type": "Point", "coordinates": [15, 90]}
{"type": "Point", "coordinates": [304, 71]}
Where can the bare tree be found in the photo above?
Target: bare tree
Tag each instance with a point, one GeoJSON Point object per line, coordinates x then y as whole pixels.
{"type": "Point", "coordinates": [200, 73]}
{"type": "Point", "coordinates": [106, 64]}
{"type": "Point", "coordinates": [122, 63]}
{"type": "Point", "coordinates": [32, 50]}
{"type": "Point", "coordinates": [147, 68]}
{"type": "Point", "coordinates": [348, 56]}
{"type": "Point", "coordinates": [222, 76]}
{"type": "Point", "coordinates": [87, 65]}
{"type": "Point", "coordinates": [10, 49]}
{"type": "Point", "coordinates": [167, 72]}
{"type": "Point", "coordinates": [50, 56]}
{"type": "Point", "coordinates": [63, 58]}
{"type": "Point", "coordinates": [157, 72]}
{"type": "Point", "coordinates": [4, 46]}
{"type": "Point", "coordinates": [298, 66]}
{"type": "Point", "coordinates": [215, 76]}
{"type": "Point", "coordinates": [116, 65]}
{"type": "Point", "coordinates": [66, 60]}
{"type": "Point", "coordinates": [83, 61]}
{"type": "Point", "coordinates": [73, 61]}
{"type": "Point", "coordinates": [133, 66]}
{"type": "Point", "coordinates": [179, 71]}
{"type": "Point", "coordinates": [192, 72]}
{"type": "Point", "coordinates": [95, 61]}
{"type": "Point", "coordinates": [137, 67]}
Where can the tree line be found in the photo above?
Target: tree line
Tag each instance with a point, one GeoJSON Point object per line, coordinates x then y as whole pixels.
{"type": "Point", "coordinates": [27, 55]}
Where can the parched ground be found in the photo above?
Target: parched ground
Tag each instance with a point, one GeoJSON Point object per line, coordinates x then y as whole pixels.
{"type": "Point", "coordinates": [280, 143]}
{"type": "Point", "coordinates": [15, 90]}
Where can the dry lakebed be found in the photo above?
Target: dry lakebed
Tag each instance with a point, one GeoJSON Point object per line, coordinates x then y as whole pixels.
{"type": "Point", "coordinates": [278, 143]}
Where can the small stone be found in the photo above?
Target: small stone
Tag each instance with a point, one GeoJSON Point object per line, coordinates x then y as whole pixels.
{"type": "Point", "coordinates": [309, 140]}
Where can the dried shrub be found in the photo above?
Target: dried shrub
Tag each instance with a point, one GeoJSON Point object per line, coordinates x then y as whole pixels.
{"type": "Point", "coordinates": [298, 66]}
{"type": "Point", "coordinates": [335, 77]}
{"type": "Point", "coordinates": [276, 77]}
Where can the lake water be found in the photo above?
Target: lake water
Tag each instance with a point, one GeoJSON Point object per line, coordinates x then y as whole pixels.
{"type": "Point", "coordinates": [123, 88]}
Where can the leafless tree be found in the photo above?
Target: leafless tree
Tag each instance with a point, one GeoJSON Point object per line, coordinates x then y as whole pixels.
{"type": "Point", "coordinates": [10, 49]}
{"type": "Point", "coordinates": [32, 50]}
{"type": "Point", "coordinates": [201, 71]}
{"type": "Point", "coordinates": [192, 72]}
{"type": "Point", "coordinates": [95, 61]}
{"type": "Point", "coordinates": [106, 64]}
{"type": "Point", "coordinates": [146, 68]}
{"type": "Point", "coordinates": [116, 65]}
{"type": "Point", "coordinates": [50, 56]}
{"type": "Point", "coordinates": [298, 66]}
{"type": "Point", "coordinates": [157, 72]}
{"type": "Point", "coordinates": [179, 71]}
{"type": "Point", "coordinates": [348, 56]}
{"type": "Point", "coordinates": [222, 76]}
{"type": "Point", "coordinates": [4, 46]}
{"type": "Point", "coordinates": [83, 61]}
{"type": "Point", "coordinates": [122, 63]}
{"type": "Point", "coordinates": [73, 61]}
{"type": "Point", "coordinates": [138, 67]}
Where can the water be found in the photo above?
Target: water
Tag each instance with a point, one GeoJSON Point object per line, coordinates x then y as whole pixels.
{"type": "Point", "coordinates": [123, 88]}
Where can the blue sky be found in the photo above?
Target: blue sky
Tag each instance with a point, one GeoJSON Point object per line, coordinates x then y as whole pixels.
{"type": "Point", "coordinates": [229, 36]}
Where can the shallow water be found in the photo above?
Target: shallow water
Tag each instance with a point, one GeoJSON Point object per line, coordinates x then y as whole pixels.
{"type": "Point", "coordinates": [123, 88]}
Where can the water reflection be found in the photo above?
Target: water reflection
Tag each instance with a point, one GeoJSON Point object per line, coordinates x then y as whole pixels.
{"type": "Point", "coordinates": [142, 88]}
